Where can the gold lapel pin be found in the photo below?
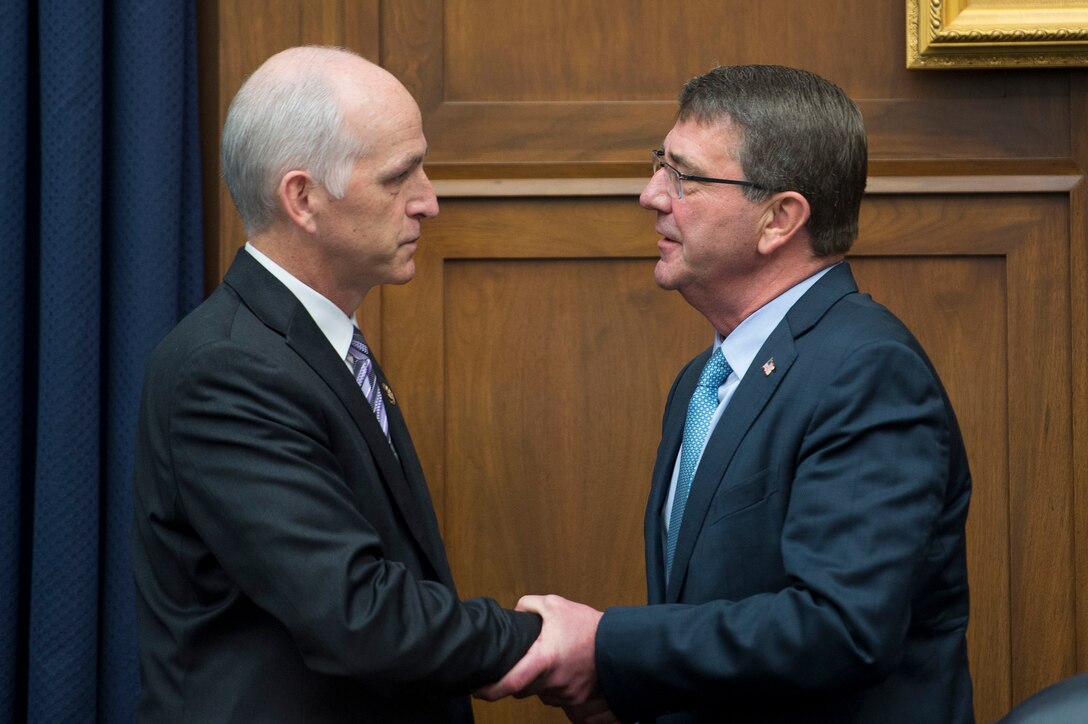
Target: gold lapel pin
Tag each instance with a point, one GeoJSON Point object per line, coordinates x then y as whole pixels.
{"type": "Point", "coordinates": [768, 367]}
{"type": "Point", "coordinates": [389, 394]}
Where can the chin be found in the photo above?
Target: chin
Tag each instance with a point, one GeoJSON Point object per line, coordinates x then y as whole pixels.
{"type": "Point", "coordinates": [664, 279]}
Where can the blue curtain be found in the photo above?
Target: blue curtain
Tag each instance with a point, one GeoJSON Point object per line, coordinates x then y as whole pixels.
{"type": "Point", "coordinates": [101, 255]}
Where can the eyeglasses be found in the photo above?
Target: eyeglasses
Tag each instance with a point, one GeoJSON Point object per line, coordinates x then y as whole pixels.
{"type": "Point", "coordinates": [657, 158]}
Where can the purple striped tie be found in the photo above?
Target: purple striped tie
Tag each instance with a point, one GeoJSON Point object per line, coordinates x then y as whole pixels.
{"type": "Point", "coordinates": [363, 367]}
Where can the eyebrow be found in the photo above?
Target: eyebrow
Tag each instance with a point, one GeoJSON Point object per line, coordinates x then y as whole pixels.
{"type": "Point", "coordinates": [407, 164]}
{"type": "Point", "coordinates": [683, 164]}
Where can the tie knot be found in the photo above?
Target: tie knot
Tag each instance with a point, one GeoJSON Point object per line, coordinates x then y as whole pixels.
{"type": "Point", "coordinates": [358, 349]}
{"type": "Point", "coordinates": [716, 370]}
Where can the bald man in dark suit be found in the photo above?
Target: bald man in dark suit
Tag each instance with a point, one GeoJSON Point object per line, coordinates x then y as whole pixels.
{"type": "Point", "coordinates": [288, 561]}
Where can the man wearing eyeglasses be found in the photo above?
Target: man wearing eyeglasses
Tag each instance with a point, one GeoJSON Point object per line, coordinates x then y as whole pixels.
{"type": "Point", "coordinates": [805, 545]}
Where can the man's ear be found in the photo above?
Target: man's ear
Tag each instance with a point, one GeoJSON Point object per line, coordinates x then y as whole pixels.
{"type": "Point", "coordinates": [300, 197]}
{"type": "Point", "coordinates": [785, 217]}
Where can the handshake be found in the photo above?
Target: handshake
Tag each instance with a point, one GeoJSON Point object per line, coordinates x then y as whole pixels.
{"type": "Point", "coordinates": [560, 667]}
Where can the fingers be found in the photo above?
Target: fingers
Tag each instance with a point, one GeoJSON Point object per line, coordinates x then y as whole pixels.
{"type": "Point", "coordinates": [594, 711]}
{"type": "Point", "coordinates": [606, 717]}
{"type": "Point", "coordinates": [560, 666]}
{"type": "Point", "coordinates": [525, 678]}
{"type": "Point", "coordinates": [532, 604]}
{"type": "Point", "coordinates": [518, 679]}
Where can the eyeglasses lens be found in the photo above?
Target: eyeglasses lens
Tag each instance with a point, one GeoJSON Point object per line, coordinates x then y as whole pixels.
{"type": "Point", "coordinates": [675, 183]}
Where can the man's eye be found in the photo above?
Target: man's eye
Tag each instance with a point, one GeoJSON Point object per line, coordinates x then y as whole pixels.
{"type": "Point", "coordinates": [400, 178]}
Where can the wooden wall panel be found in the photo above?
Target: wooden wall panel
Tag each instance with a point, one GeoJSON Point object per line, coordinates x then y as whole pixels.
{"type": "Point", "coordinates": [554, 84]}
{"type": "Point", "coordinates": [1042, 567]}
{"type": "Point", "coordinates": [572, 404]}
{"type": "Point", "coordinates": [539, 117]}
{"type": "Point", "coordinates": [1078, 286]}
{"type": "Point", "coordinates": [639, 50]}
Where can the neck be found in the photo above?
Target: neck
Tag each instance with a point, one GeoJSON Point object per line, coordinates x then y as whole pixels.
{"type": "Point", "coordinates": [731, 306]}
{"type": "Point", "coordinates": [292, 256]}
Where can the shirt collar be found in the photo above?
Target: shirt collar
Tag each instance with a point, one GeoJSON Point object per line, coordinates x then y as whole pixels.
{"type": "Point", "coordinates": [337, 327]}
{"type": "Point", "coordinates": [743, 343]}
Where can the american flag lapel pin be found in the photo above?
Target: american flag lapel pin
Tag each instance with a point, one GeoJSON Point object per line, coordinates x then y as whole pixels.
{"type": "Point", "coordinates": [768, 367]}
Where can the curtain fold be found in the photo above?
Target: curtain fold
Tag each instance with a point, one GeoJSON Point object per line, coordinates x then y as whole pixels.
{"type": "Point", "coordinates": [105, 257]}
{"type": "Point", "coordinates": [16, 223]}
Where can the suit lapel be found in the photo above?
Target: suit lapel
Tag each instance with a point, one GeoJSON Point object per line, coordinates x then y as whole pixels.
{"type": "Point", "coordinates": [419, 496]}
{"type": "Point", "coordinates": [671, 437]}
{"type": "Point", "coordinates": [280, 310]}
{"type": "Point", "coordinates": [748, 401]}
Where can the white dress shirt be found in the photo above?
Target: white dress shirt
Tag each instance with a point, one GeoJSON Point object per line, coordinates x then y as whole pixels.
{"type": "Point", "coordinates": [337, 327]}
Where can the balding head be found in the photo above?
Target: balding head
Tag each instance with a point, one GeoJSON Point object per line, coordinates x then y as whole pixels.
{"type": "Point", "coordinates": [290, 114]}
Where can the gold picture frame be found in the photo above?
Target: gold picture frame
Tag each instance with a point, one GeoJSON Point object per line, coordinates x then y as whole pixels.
{"type": "Point", "coordinates": [996, 33]}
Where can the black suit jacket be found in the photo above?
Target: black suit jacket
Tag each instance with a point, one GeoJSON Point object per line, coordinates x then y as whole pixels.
{"type": "Point", "coordinates": [820, 570]}
{"type": "Point", "coordinates": [288, 564]}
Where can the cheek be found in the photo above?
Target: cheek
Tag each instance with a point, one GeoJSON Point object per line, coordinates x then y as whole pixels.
{"type": "Point", "coordinates": [689, 222]}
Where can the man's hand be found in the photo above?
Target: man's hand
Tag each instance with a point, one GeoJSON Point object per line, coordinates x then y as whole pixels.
{"type": "Point", "coordinates": [594, 711]}
{"type": "Point", "coordinates": [560, 666]}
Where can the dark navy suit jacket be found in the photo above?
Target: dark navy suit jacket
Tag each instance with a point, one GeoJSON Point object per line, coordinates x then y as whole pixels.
{"type": "Point", "coordinates": [820, 571]}
{"type": "Point", "coordinates": [288, 565]}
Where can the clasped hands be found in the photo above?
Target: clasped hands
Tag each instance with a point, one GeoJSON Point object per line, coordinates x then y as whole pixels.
{"type": "Point", "coordinates": [560, 667]}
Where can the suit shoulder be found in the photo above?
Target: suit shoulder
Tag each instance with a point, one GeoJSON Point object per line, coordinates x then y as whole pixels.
{"type": "Point", "coordinates": [857, 320]}
{"type": "Point", "coordinates": [214, 322]}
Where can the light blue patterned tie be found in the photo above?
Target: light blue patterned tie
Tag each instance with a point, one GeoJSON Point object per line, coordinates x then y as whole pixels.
{"type": "Point", "coordinates": [363, 368]}
{"type": "Point", "coordinates": [700, 411]}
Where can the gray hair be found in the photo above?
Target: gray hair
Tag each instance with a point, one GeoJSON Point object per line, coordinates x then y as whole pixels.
{"type": "Point", "coordinates": [799, 132]}
{"type": "Point", "coordinates": [281, 120]}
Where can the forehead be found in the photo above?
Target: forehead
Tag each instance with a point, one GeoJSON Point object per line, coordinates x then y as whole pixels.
{"type": "Point", "coordinates": [702, 145]}
{"type": "Point", "coordinates": [389, 125]}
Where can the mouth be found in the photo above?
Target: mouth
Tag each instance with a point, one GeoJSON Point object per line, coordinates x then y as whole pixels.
{"type": "Point", "coordinates": [664, 233]}
{"type": "Point", "coordinates": [666, 241]}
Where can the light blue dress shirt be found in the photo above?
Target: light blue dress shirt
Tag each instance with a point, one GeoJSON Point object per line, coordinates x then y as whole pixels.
{"type": "Point", "coordinates": [740, 349]}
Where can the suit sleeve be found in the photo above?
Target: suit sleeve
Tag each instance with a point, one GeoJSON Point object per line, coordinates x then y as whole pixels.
{"type": "Point", "coordinates": [867, 490]}
{"type": "Point", "coordinates": [257, 479]}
